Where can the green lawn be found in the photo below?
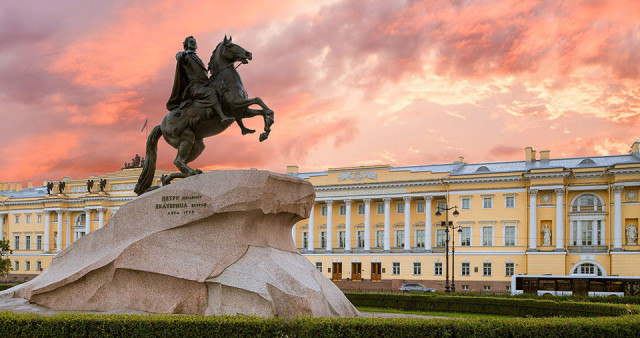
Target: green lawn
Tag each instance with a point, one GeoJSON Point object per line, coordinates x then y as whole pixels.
{"type": "Point", "coordinates": [434, 313]}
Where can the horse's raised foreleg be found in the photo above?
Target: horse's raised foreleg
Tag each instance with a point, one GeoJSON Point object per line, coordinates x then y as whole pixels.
{"type": "Point", "coordinates": [266, 113]}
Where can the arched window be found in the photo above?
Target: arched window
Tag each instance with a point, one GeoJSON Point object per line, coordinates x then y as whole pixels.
{"type": "Point", "coordinates": [587, 221]}
{"type": "Point", "coordinates": [587, 269]}
{"type": "Point", "coordinates": [587, 202]}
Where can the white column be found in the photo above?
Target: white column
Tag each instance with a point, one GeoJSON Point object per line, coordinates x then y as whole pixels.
{"type": "Point", "coordinates": [559, 219]}
{"type": "Point", "coordinates": [617, 217]}
{"type": "Point", "coordinates": [347, 225]}
{"type": "Point", "coordinates": [47, 231]}
{"type": "Point", "coordinates": [293, 235]}
{"type": "Point", "coordinates": [311, 231]}
{"type": "Point", "coordinates": [2, 226]}
{"type": "Point", "coordinates": [100, 218]}
{"type": "Point", "coordinates": [329, 226]}
{"type": "Point", "coordinates": [533, 220]}
{"type": "Point", "coordinates": [427, 223]}
{"type": "Point", "coordinates": [387, 224]}
{"type": "Point", "coordinates": [59, 237]}
{"type": "Point", "coordinates": [87, 221]}
{"type": "Point", "coordinates": [367, 224]}
{"type": "Point", "coordinates": [407, 223]}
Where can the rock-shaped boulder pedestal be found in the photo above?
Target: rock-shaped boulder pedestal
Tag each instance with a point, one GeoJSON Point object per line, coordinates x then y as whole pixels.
{"type": "Point", "coordinates": [214, 243]}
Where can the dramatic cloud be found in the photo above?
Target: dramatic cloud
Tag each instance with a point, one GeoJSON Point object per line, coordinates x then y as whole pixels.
{"type": "Point", "coordinates": [352, 82]}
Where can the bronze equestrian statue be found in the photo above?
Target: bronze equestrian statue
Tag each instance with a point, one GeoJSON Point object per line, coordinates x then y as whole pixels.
{"type": "Point", "coordinates": [202, 106]}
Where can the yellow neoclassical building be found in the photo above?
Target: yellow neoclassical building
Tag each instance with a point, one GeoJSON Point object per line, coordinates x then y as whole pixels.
{"type": "Point", "coordinates": [375, 227]}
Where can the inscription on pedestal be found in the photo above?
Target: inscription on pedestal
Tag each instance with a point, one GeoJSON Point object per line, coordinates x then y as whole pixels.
{"type": "Point", "coordinates": [180, 205]}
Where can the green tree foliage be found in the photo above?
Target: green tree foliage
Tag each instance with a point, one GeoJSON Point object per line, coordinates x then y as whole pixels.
{"type": "Point", "coordinates": [5, 262]}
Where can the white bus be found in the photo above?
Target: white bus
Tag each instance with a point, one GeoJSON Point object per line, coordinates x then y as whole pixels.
{"type": "Point", "coordinates": [582, 285]}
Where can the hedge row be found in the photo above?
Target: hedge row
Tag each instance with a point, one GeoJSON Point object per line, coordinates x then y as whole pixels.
{"type": "Point", "coordinates": [572, 298]}
{"type": "Point", "coordinates": [94, 325]}
{"type": "Point", "coordinates": [521, 307]}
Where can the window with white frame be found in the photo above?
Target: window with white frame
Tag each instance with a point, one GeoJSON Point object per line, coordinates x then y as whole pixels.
{"type": "Point", "coordinates": [437, 269]}
{"type": "Point", "coordinates": [38, 266]}
{"type": "Point", "coordinates": [27, 218]}
{"type": "Point", "coordinates": [17, 219]}
{"type": "Point", "coordinates": [487, 202]}
{"type": "Point", "coordinates": [509, 269]}
{"type": "Point", "coordinates": [342, 210]}
{"type": "Point", "coordinates": [465, 236]}
{"type": "Point", "coordinates": [39, 218]}
{"type": "Point", "coordinates": [420, 207]}
{"type": "Point", "coordinates": [587, 202]}
{"type": "Point", "coordinates": [440, 238]}
{"type": "Point", "coordinates": [487, 236]}
{"type": "Point", "coordinates": [305, 239]}
{"type": "Point", "coordinates": [465, 202]}
{"type": "Point", "coordinates": [509, 201]}
{"type": "Point", "coordinates": [465, 269]}
{"type": "Point", "coordinates": [419, 238]}
{"type": "Point", "coordinates": [442, 206]}
{"type": "Point", "coordinates": [323, 239]}
{"type": "Point", "coordinates": [16, 242]}
{"type": "Point", "coordinates": [27, 265]}
{"type": "Point", "coordinates": [341, 239]}
{"type": "Point", "coordinates": [486, 269]}
{"type": "Point", "coordinates": [395, 268]}
{"type": "Point", "coordinates": [586, 232]}
{"type": "Point", "coordinates": [16, 265]}
{"type": "Point", "coordinates": [27, 242]}
{"type": "Point", "coordinates": [588, 269]}
{"type": "Point", "coordinates": [360, 209]}
{"type": "Point", "coordinates": [486, 287]}
{"type": "Point", "coordinates": [323, 211]}
{"type": "Point", "coordinates": [509, 235]}
{"type": "Point", "coordinates": [465, 287]}
{"type": "Point", "coordinates": [399, 207]}
{"type": "Point", "coordinates": [380, 208]}
{"type": "Point", "coordinates": [399, 238]}
{"type": "Point", "coordinates": [379, 238]}
{"type": "Point", "coordinates": [508, 288]}
{"type": "Point", "coordinates": [319, 266]}
{"type": "Point", "coordinates": [39, 242]}
{"type": "Point", "coordinates": [417, 268]}
{"type": "Point", "coordinates": [360, 238]}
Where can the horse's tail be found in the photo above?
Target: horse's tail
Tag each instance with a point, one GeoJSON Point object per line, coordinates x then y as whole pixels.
{"type": "Point", "coordinates": [149, 168]}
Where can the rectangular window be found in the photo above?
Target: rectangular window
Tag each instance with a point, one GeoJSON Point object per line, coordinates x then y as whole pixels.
{"type": "Point", "coordinates": [486, 287]}
{"type": "Point", "coordinates": [27, 219]}
{"type": "Point", "coordinates": [396, 268]}
{"type": "Point", "coordinates": [420, 207]}
{"type": "Point", "coordinates": [486, 269]}
{"type": "Point", "coordinates": [341, 239]}
{"type": "Point", "coordinates": [509, 202]}
{"type": "Point", "coordinates": [342, 210]}
{"type": "Point", "coordinates": [509, 288]}
{"type": "Point", "coordinates": [379, 238]}
{"type": "Point", "coordinates": [417, 268]}
{"type": "Point", "coordinates": [465, 287]}
{"type": "Point", "coordinates": [509, 269]}
{"type": "Point", "coordinates": [466, 203]}
{"type": "Point", "coordinates": [27, 266]}
{"type": "Point", "coordinates": [38, 266]}
{"type": "Point", "coordinates": [360, 238]}
{"type": "Point", "coordinates": [305, 239]}
{"type": "Point", "coordinates": [419, 239]}
{"type": "Point", "coordinates": [465, 236]}
{"type": "Point", "coordinates": [16, 242]}
{"type": "Point", "coordinates": [400, 238]}
{"type": "Point", "coordinates": [380, 208]}
{"type": "Point", "coordinates": [17, 219]}
{"type": "Point", "coordinates": [323, 211]}
{"type": "Point", "coordinates": [16, 265]}
{"type": "Point", "coordinates": [360, 209]}
{"type": "Point", "coordinates": [465, 269]}
{"type": "Point", "coordinates": [440, 238]}
{"type": "Point", "coordinates": [487, 202]}
{"type": "Point", "coordinates": [399, 207]}
{"type": "Point", "coordinates": [437, 269]}
{"type": "Point", "coordinates": [27, 242]}
{"type": "Point", "coordinates": [487, 236]}
{"type": "Point", "coordinates": [39, 242]}
{"type": "Point", "coordinates": [442, 206]}
{"type": "Point", "coordinates": [510, 235]}
{"type": "Point", "coordinates": [319, 266]}
{"type": "Point", "coordinates": [39, 218]}
{"type": "Point", "coordinates": [323, 239]}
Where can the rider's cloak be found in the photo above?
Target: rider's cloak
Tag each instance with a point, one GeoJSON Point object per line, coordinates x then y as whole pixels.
{"type": "Point", "coordinates": [190, 82]}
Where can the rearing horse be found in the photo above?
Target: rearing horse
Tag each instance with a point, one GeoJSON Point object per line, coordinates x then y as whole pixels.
{"type": "Point", "coordinates": [185, 128]}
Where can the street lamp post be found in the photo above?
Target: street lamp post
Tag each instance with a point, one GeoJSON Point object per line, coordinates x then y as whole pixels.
{"type": "Point", "coordinates": [448, 225]}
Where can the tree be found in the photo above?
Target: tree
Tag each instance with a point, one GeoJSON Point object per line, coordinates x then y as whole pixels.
{"type": "Point", "coordinates": [5, 262]}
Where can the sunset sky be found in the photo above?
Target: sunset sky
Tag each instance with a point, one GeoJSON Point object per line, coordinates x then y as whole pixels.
{"type": "Point", "coordinates": [351, 82]}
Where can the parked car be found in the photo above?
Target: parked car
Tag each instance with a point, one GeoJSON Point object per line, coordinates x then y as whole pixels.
{"type": "Point", "coordinates": [415, 287]}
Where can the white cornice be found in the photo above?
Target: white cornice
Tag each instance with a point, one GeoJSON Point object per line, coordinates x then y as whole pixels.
{"type": "Point", "coordinates": [546, 175]}
{"type": "Point", "coordinates": [475, 180]}
{"type": "Point", "coordinates": [588, 187]}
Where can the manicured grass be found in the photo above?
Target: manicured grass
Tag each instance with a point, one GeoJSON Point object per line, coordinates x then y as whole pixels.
{"type": "Point", "coordinates": [434, 313]}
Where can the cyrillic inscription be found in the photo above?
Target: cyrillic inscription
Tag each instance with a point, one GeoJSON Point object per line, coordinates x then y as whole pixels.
{"type": "Point", "coordinates": [177, 205]}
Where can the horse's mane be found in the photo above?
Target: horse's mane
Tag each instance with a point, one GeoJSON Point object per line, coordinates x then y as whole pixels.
{"type": "Point", "coordinates": [213, 54]}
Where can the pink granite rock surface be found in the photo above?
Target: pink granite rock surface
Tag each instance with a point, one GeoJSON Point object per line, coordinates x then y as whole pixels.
{"type": "Point", "coordinates": [215, 243]}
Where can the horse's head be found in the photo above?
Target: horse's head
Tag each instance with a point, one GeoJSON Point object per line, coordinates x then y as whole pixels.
{"type": "Point", "coordinates": [228, 52]}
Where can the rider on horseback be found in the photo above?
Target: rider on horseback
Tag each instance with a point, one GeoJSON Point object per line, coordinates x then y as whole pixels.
{"type": "Point", "coordinates": [190, 83]}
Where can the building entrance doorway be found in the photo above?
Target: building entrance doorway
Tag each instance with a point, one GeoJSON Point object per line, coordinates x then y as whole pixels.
{"type": "Point", "coordinates": [356, 271]}
{"type": "Point", "coordinates": [336, 273]}
{"type": "Point", "coordinates": [376, 271]}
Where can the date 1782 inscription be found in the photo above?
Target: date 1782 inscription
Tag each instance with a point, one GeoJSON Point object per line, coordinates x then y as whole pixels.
{"type": "Point", "coordinates": [176, 205]}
